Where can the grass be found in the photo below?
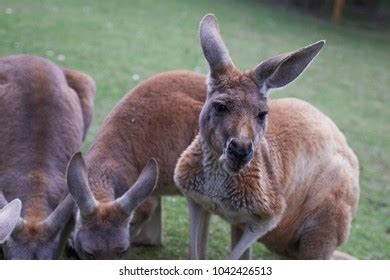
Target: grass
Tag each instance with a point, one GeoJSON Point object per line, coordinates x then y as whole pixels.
{"type": "Point", "coordinates": [114, 41]}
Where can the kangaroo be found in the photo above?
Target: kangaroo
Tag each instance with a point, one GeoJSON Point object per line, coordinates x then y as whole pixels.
{"type": "Point", "coordinates": [158, 119]}
{"type": "Point", "coordinates": [278, 171]}
{"type": "Point", "coordinates": [45, 115]}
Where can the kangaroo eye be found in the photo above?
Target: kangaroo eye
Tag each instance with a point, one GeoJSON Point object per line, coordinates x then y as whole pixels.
{"type": "Point", "coordinates": [220, 108]}
{"type": "Point", "coordinates": [261, 116]}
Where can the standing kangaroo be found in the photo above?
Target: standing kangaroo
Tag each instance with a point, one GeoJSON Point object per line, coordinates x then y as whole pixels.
{"type": "Point", "coordinates": [45, 114]}
{"type": "Point", "coordinates": [279, 171]}
{"type": "Point", "coordinates": [158, 119]}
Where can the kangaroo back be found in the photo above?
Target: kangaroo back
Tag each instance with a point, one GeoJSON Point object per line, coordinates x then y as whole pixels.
{"type": "Point", "coordinates": [158, 119]}
{"type": "Point", "coordinates": [44, 120]}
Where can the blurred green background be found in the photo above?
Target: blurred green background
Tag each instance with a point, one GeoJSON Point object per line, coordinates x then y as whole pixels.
{"type": "Point", "coordinates": [121, 43]}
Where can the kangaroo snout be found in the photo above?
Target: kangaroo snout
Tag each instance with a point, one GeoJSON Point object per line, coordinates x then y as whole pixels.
{"type": "Point", "coordinates": [239, 151]}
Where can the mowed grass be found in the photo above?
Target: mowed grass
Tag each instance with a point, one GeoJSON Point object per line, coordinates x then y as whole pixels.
{"type": "Point", "coordinates": [118, 41]}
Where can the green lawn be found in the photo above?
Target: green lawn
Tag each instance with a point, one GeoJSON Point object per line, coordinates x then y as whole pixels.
{"type": "Point", "coordinates": [114, 40]}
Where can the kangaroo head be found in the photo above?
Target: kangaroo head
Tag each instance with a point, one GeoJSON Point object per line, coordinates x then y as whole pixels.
{"type": "Point", "coordinates": [35, 238]}
{"type": "Point", "coordinates": [102, 229]}
{"type": "Point", "coordinates": [233, 119]}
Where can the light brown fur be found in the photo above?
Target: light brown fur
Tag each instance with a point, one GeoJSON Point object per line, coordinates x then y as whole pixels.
{"type": "Point", "coordinates": [314, 180]}
{"type": "Point", "coordinates": [44, 117]}
{"type": "Point", "coordinates": [279, 168]}
{"type": "Point", "coordinates": [158, 119]}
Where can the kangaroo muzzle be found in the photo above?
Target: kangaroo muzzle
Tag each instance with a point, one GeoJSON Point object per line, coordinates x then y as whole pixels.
{"type": "Point", "coordinates": [238, 153]}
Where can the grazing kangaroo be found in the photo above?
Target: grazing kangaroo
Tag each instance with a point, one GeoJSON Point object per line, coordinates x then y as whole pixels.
{"type": "Point", "coordinates": [45, 114]}
{"type": "Point", "coordinates": [158, 119]}
{"type": "Point", "coordinates": [279, 171]}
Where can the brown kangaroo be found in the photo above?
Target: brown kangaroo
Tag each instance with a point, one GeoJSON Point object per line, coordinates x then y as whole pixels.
{"type": "Point", "coordinates": [279, 171]}
{"type": "Point", "coordinates": [158, 119]}
{"type": "Point", "coordinates": [45, 114]}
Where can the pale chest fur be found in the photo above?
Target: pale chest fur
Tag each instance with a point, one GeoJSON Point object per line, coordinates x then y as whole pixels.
{"type": "Point", "coordinates": [212, 192]}
{"type": "Point", "coordinates": [237, 199]}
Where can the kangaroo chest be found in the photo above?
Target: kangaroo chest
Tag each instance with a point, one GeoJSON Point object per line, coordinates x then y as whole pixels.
{"type": "Point", "coordinates": [217, 192]}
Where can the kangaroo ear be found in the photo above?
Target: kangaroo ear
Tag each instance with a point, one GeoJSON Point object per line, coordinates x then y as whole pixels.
{"type": "Point", "coordinates": [85, 88]}
{"type": "Point", "coordinates": [60, 216]}
{"type": "Point", "coordinates": [77, 180]}
{"type": "Point", "coordinates": [3, 201]}
{"type": "Point", "coordinates": [9, 218]}
{"type": "Point", "coordinates": [141, 189]}
{"type": "Point", "coordinates": [281, 70]}
{"type": "Point", "coordinates": [214, 49]}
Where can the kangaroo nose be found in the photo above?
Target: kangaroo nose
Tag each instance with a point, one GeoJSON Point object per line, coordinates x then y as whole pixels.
{"type": "Point", "coordinates": [240, 150]}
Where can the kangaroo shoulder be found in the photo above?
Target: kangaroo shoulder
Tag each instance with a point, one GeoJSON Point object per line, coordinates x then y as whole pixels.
{"type": "Point", "coordinates": [189, 165]}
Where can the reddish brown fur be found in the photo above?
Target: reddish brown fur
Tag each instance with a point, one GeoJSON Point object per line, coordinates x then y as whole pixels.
{"type": "Point", "coordinates": [157, 119]}
{"type": "Point", "coordinates": [107, 213]}
{"type": "Point", "coordinates": [309, 179]}
{"type": "Point", "coordinates": [125, 132]}
{"type": "Point", "coordinates": [289, 177]}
